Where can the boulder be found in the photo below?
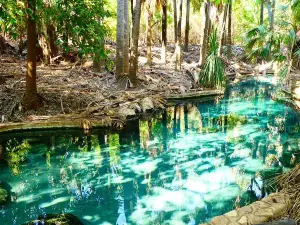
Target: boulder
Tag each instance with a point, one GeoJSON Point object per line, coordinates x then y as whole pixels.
{"type": "Point", "coordinates": [147, 104]}
{"type": "Point", "coordinates": [127, 112]}
{"type": "Point", "coordinates": [56, 219]}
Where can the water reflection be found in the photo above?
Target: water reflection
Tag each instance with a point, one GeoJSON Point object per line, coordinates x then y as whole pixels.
{"type": "Point", "coordinates": [185, 166]}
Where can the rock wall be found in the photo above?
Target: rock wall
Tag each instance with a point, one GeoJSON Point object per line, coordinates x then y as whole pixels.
{"type": "Point", "coordinates": [272, 207]}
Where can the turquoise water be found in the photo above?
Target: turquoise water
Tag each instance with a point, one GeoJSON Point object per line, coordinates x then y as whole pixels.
{"type": "Point", "coordinates": [185, 166]}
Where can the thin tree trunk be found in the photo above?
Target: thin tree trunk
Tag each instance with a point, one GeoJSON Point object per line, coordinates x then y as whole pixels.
{"type": "Point", "coordinates": [178, 43]}
{"type": "Point", "coordinates": [164, 31]}
{"type": "Point", "coordinates": [262, 12]}
{"type": "Point", "coordinates": [98, 61]}
{"type": "Point", "coordinates": [120, 40]}
{"type": "Point", "coordinates": [135, 42]}
{"type": "Point", "coordinates": [273, 15]}
{"type": "Point", "coordinates": [175, 20]}
{"type": "Point", "coordinates": [52, 38]}
{"type": "Point", "coordinates": [271, 12]}
{"type": "Point", "coordinates": [187, 26]}
{"type": "Point", "coordinates": [44, 44]}
{"type": "Point", "coordinates": [229, 35]}
{"type": "Point", "coordinates": [2, 44]}
{"type": "Point", "coordinates": [126, 38]}
{"type": "Point", "coordinates": [21, 44]}
{"type": "Point", "coordinates": [222, 27]}
{"type": "Point", "coordinates": [204, 39]}
{"type": "Point", "coordinates": [224, 36]}
{"type": "Point", "coordinates": [31, 99]}
{"type": "Point", "coordinates": [149, 33]}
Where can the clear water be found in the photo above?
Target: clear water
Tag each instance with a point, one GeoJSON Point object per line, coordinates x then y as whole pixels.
{"type": "Point", "coordinates": [192, 163]}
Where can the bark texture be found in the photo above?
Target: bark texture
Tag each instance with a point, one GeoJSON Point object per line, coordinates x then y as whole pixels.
{"type": "Point", "coordinates": [187, 26]}
{"type": "Point", "coordinates": [164, 31]}
{"type": "Point", "coordinates": [229, 29]}
{"type": "Point", "coordinates": [126, 38]}
{"type": "Point", "coordinates": [149, 32]}
{"type": "Point", "coordinates": [205, 37]}
{"type": "Point", "coordinates": [175, 20]}
{"type": "Point", "coordinates": [135, 42]}
{"type": "Point", "coordinates": [178, 43]}
{"type": "Point", "coordinates": [31, 99]}
{"type": "Point", "coordinates": [120, 40]}
{"type": "Point", "coordinates": [261, 22]}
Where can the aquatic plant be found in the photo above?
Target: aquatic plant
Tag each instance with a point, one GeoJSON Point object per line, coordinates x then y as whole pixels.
{"type": "Point", "coordinates": [16, 154]}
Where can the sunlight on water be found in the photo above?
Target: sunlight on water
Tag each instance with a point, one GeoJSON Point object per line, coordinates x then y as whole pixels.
{"type": "Point", "coordinates": [185, 166]}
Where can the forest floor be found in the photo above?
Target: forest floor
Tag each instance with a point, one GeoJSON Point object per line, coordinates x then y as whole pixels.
{"type": "Point", "coordinates": [75, 89]}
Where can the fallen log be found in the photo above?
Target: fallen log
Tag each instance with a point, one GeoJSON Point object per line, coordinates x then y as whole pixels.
{"type": "Point", "coordinates": [196, 94]}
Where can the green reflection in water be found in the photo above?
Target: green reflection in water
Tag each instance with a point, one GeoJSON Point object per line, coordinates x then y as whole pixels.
{"type": "Point", "coordinates": [185, 166]}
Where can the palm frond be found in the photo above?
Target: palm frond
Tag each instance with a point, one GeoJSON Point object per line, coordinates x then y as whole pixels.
{"type": "Point", "coordinates": [212, 74]}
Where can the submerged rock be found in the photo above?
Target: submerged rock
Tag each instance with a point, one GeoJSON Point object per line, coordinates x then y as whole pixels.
{"type": "Point", "coordinates": [4, 193]}
{"type": "Point", "coordinates": [59, 219]}
{"type": "Point", "coordinates": [3, 196]}
{"type": "Point", "coordinates": [147, 104]}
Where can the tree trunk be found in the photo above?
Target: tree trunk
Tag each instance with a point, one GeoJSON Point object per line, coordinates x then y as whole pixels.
{"type": "Point", "coordinates": [120, 40]}
{"type": "Point", "coordinates": [271, 12]}
{"type": "Point", "coordinates": [52, 38]}
{"type": "Point", "coordinates": [262, 12]}
{"type": "Point", "coordinates": [149, 33]}
{"type": "Point", "coordinates": [21, 44]}
{"type": "Point", "coordinates": [187, 26]}
{"type": "Point", "coordinates": [164, 31]}
{"type": "Point", "coordinates": [178, 43]}
{"type": "Point", "coordinates": [205, 37]}
{"type": "Point", "coordinates": [229, 34]}
{"type": "Point", "coordinates": [126, 38]}
{"type": "Point", "coordinates": [175, 20]}
{"type": "Point", "coordinates": [31, 98]}
{"type": "Point", "coordinates": [44, 44]}
{"type": "Point", "coordinates": [273, 15]}
{"type": "Point", "coordinates": [135, 42]}
{"type": "Point", "coordinates": [2, 44]}
{"type": "Point", "coordinates": [98, 61]}
{"type": "Point", "coordinates": [222, 27]}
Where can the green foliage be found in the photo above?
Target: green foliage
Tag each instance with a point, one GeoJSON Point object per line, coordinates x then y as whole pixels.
{"type": "Point", "coordinates": [213, 74]}
{"type": "Point", "coordinates": [82, 21]}
{"type": "Point", "coordinates": [16, 154]}
{"type": "Point", "coordinates": [80, 25]}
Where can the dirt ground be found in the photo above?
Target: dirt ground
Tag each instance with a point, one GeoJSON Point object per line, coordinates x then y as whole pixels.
{"type": "Point", "coordinates": [74, 88]}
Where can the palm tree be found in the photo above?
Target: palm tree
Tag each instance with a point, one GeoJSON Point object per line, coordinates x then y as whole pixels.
{"type": "Point", "coordinates": [262, 2]}
{"type": "Point", "coordinates": [271, 12]}
{"type": "Point", "coordinates": [229, 30]}
{"type": "Point", "coordinates": [222, 24]}
{"type": "Point", "coordinates": [135, 41]}
{"type": "Point", "coordinates": [126, 38]}
{"type": "Point", "coordinates": [120, 40]}
{"type": "Point", "coordinates": [175, 19]}
{"type": "Point", "coordinates": [149, 11]}
{"type": "Point", "coordinates": [205, 24]}
{"type": "Point", "coordinates": [187, 26]}
{"type": "Point", "coordinates": [164, 30]}
{"type": "Point", "coordinates": [178, 42]}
